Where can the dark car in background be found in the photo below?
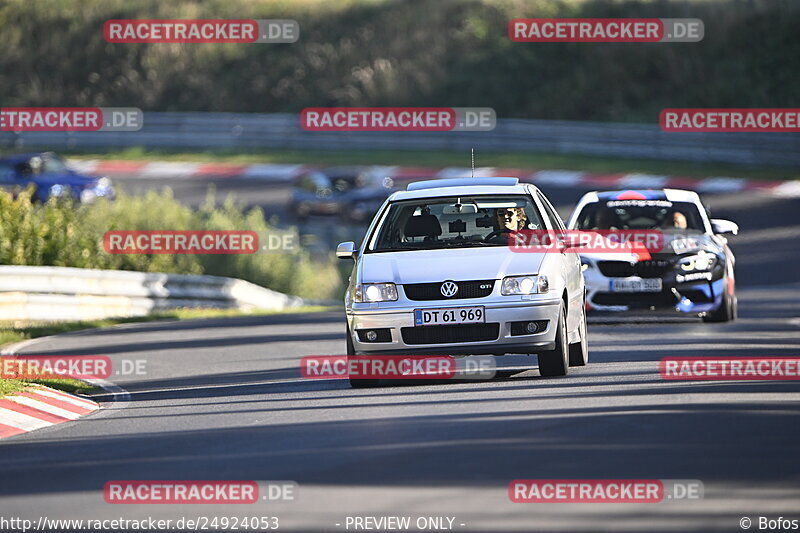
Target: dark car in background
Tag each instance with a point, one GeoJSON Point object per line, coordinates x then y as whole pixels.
{"type": "Point", "coordinates": [50, 176]}
{"type": "Point", "coordinates": [352, 193]}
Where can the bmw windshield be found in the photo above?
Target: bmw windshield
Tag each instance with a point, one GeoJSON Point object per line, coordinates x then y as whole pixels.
{"type": "Point", "coordinates": [640, 214]}
{"type": "Point", "coordinates": [468, 221]}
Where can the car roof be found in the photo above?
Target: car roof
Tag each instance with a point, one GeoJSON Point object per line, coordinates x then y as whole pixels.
{"type": "Point", "coordinates": [344, 171]}
{"type": "Point", "coordinates": [672, 195]}
{"type": "Point", "coordinates": [22, 157]}
{"type": "Point", "coordinates": [460, 187]}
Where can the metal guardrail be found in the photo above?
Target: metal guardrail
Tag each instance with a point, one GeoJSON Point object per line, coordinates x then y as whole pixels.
{"type": "Point", "coordinates": [61, 293]}
{"type": "Point", "coordinates": [282, 131]}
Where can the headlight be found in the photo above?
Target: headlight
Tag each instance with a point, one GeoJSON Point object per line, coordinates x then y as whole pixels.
{"type": "Point", "coordinates": [88, 196]}
{"type": "Point", "coordinates": [375, 292]}
{"type": "Point", "coordinates": [700, 261]}
{"type": "Point", "coordinates": [586, 263]}
{"type": "Point", "coordinates": [524, 285]}
{"type": "Point", "coordinates": [58, 190]}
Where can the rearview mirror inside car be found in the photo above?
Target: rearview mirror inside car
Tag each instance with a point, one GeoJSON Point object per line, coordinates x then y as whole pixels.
{"type": "Point", "coordinates": [460, 209]}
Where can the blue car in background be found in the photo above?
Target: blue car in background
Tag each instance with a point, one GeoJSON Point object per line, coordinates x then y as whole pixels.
{"type": "Point", "coordinates": [50, 176]}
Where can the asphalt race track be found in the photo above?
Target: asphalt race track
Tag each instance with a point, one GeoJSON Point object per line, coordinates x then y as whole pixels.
{"type": "Point", "coordinates": [223, 399]}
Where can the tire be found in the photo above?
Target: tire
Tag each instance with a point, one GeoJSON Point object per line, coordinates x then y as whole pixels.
{"type": "Point", "coordinates": [556, 362]}
{"type": "Point", "coordinates": [728, 310]}
{"type": "Point", "coordinates": [358, 383]}
{"type": "Point", "coordinates": [579, 352]}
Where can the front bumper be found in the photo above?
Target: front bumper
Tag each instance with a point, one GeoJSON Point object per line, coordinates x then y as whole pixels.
{"type": "Point", "coordinates": [399, 319]}
{"type": "Point", "coordinates": [689, 297]}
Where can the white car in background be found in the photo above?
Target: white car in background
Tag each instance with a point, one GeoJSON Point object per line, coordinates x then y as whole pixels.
{"type": "Point", "coordinates": [692, 275]}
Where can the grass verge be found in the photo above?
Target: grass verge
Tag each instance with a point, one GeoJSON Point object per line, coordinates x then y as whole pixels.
{"type": "Point", "coordinates": [444, 159]}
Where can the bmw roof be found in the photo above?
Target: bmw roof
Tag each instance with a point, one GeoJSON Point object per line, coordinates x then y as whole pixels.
{"type": "Point", "coordinates": [673, 195]}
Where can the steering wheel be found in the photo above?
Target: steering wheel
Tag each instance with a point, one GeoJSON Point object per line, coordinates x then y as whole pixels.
{"type": "Point", "coordinates": [496, 233]}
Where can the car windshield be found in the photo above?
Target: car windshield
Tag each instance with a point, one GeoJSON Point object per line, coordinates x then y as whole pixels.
{"type": "Point", "coordinates": [53, 164]}
{"type": "Point", "coordinates": [436, 223]}
{"type": "Point", "coordinates": [640, 214]}
{"type": "Point", "coordinates": [342, 184]}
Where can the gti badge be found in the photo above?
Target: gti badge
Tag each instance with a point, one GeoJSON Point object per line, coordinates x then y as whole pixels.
{"type": "Point", "coordinates": [448, 289]}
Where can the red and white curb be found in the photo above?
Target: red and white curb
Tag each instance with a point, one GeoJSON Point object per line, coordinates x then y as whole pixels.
{"type": "Point", "coordinates": [557, 178]}
{"type": "Point", "coordinates": [38, 406]}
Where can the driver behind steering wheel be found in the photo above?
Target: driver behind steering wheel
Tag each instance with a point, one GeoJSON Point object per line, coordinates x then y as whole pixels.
{"type": "Point", "coordinates": [508, 220]}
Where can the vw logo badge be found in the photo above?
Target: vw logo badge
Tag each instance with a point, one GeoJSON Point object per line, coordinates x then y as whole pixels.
{"type": "Point", "coordinates": [448, 289]}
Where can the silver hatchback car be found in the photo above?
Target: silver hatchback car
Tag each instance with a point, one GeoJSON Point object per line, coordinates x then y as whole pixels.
{"type": "Point", "coordinates": [436, 274]}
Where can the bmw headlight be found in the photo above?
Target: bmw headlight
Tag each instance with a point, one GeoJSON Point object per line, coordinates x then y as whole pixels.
{"type": "Point", "coordinates": [700, 261]}
{"type": "Point", "coordinates": [524, 285]}
{"type": "Point", "coordinates": [375, 292]}
{"type": "Point", "coordinates": [586, 264]}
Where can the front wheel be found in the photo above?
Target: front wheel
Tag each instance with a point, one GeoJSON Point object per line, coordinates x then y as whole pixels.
{"type": "Point", "coordinates": [555, 362]}
{"type": "Point", "coordinates": [358, 383]}
{"type": "Point", "coordinates": [727, 311]}
{"type": "Point", "coordinates": [579, 352]}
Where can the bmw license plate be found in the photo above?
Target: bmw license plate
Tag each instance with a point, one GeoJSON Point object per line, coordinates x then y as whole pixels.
{"type": "Point", "coordinates": [635, 285]}
{"type": "Point", "coordinates": [449, 315]}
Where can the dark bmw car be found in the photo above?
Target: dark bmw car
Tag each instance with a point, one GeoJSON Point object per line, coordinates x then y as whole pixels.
{"type": "Point", "coordinates": [50, 177]}
{"type": "Point", "coordinates": [694, 272]}
{"type": "Point", "coordinates": [352, 193]}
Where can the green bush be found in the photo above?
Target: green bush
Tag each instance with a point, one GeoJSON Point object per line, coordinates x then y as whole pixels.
{"type": "Point", "coordinates": [61, 234]}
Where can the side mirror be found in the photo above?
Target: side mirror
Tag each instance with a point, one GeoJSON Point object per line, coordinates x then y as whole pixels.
{"type": "Point", "coordinates": [722, 226]}
{"type": "Point", "coordinates": [346, 250]}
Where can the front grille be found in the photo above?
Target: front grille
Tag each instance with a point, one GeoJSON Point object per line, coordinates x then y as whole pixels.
{"type": "Point", "coordinates": [636, 299]}
{"type": "Point", "coordinates": [450, 334]}
{"type": "Point", "coordinates": [432, 291]}
{"type": "Point", "coordinates": [655, 268]}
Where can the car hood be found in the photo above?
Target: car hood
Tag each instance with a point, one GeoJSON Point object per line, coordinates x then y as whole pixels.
{"type": "Point", "coordinates": [454, 264]}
